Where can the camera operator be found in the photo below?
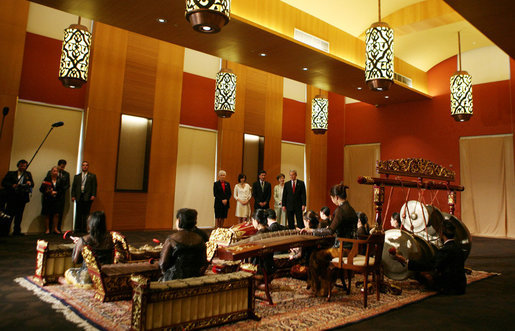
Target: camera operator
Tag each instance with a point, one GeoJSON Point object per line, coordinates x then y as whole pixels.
{"type": "Point", "coordinates": [18, 185]}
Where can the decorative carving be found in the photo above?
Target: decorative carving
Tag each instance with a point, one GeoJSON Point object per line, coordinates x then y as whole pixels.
{"type": "Point", "coordinates": [415, 167]}
{"type": "Point", "coordinates": [58, 256]}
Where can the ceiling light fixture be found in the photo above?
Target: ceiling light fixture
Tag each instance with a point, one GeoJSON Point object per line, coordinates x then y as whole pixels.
{"type": "Point", "coordinates": [162, 20]}
{"type": "Point", "coordinates": [262, 54]}
{"type": "Point", "coordinates": [208, 16]}
{"type": "Point", "coordinates": [74, 64]}
{"type": "Point", "coordinates": [461, 92]}
{"type": "Point", "coordinates": [319, 113]}
{"type": "Point", "coordinates": [379, 55]}
{"type": "Point", "coordinates": [305, 68]}
{"type": "Point", "coordinates": [225, 92]}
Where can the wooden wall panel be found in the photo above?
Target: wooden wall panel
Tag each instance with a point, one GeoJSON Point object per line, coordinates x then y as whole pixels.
{"type": "Point", "coordinates": [316, 158]}
{"type": "Point", "coordinates": [165, 130]}
{"type": "Point", "coordinates": [13, 21]}
{"type": "Point", "coordinates": [255, 101]}
{"type": "Point", "coordinates": [140, 75]}
{"type": "Point", "coordinates": [129, 211]}
{"type": "Point", "coordinates": [102, 118]}
{"type": "Point", "coordinates": [230, 138]}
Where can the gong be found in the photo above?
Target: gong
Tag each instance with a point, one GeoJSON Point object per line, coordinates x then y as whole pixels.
{"type": "Point", "coordinates": [462, 238]}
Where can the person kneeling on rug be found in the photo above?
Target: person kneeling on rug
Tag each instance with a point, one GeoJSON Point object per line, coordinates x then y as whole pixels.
{"type": "Point", "coordinates": [101, 244]}
{"type": "Point", "coordinates": [184, 252]}
{"type": "Point", "coordinates": [446, 274]}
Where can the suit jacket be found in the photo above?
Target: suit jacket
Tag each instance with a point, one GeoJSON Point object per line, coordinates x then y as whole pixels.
{"type": "Point", "coordinates": [261, 195]}
{"type": "Point", "coordinates": [275, 227]}
{"type": "Point", "coordinates": [18, 193]}
{"type": "Point", "coordinates": [220, 195]}
{"type": "Point", "coordinates": [90, 186]}
{"type": "Point", "coordinates": [64, 178]}
{"type": "Point", "coordinates": [60, 188]}
{"type": "Point", "coordinates": [294, 201]}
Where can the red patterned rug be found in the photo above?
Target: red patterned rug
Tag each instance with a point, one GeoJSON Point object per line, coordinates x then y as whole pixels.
{"type": "Point", "coordinates": [294, 306]}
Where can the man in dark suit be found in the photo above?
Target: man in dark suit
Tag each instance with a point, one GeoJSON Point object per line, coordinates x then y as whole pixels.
{"type": "Point", "coordinates": [294, 200]}
{"type": "Point", "coordinates": [84, 191]}
{"type": "Point", "coordinates": [262, 192]}
{"type": "Point", "coordinates": [446, 273]}
{"type": "Point", "coordinates": [64, 178]}
{"type": "Point", "coordinates": [18, 184]}
{"type": "Point", "coordinates": [272, 221]}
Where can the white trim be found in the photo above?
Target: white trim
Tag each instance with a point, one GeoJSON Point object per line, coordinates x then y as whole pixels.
{"type": "Point", "coordinates": [488, 136]}
{"type": "Point", "coordinates": [197, 128]}
{"type": "Point", "coordinates": [293, 142]}
{"type": "Point", "coordinates": [44, 104]}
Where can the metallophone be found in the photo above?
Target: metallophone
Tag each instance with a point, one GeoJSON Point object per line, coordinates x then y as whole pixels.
{"type": "Point", "coordinates": [270, 242]}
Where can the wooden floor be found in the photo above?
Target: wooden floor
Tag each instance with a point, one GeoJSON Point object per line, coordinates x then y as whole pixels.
{"type": "Point", "coordinates": [488, 305]}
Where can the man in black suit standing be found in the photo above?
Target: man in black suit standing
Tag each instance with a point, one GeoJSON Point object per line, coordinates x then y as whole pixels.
{"type": "Point", "coordinates": [64, 177]}
{"type": "Point", "coordinates": [261, 191]}
{"type": "Point", "coordinates": [272, 221]}
{"type": "Point", "coordinates": [84, 191]}
{"type": "Point", "coordinates": [18, 184]}
{"type": "Point", "coordinates": [294, 200]}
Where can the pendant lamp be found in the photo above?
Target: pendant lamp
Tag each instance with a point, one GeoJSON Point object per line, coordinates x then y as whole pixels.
{"type": "Point", "coordinates": [73, 68]}
{"type": "Point", "coordinates": [319, 114]}
{"type": "Point", "coordinates": [461, 92]}
{"type": "Point", "coordinates": [208, 16]}
{"type": "Point", "coordinates": [379, 55]}
{"type": "Point", "coordinates": [225, 92]}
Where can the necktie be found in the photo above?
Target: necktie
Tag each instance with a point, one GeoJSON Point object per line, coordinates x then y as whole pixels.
{"type": "Point", "coordinates": [293, 186]}
{"type": "Point", "coordinates": [263, 186]}
{"type": "Point", "coordinates": [223, 186]}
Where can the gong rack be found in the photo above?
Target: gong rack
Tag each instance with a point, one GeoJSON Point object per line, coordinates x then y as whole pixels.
{"type": "Point", "coordinates": [430, 176]}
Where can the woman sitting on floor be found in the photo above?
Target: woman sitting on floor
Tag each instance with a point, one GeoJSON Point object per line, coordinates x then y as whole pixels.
{"type": "Point", "coordinates": [344, 225]}
{"type": "Point", "coordinates": [101, 244]}
{"type": "Point", "coordinates": [184, 252]}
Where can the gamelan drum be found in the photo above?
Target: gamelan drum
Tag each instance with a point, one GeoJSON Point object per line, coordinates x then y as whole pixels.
{"type": "Point", "coordinates": [424, 221]}
{"type": "Point", "coordinates": [409, 246]}
{"type": "Point", "coordinates": [462, 238]}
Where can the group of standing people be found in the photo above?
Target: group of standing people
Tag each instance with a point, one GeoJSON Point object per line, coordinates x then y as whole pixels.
{"type": "Point", "coordinates": [18, 184]}
{"type": "Point", "coordinates": [289, 197]}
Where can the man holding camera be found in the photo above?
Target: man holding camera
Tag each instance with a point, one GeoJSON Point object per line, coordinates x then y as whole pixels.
{"type": "Point", "coordinates": [18, 185]}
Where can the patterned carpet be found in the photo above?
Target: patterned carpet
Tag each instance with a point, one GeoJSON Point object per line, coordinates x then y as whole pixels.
{"type": "Point", "coordinates": [294, 306]}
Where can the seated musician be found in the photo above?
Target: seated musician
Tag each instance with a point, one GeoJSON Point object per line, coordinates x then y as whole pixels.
{"type": "Point", "coordinates": [259, 221]}
{"type": "Point", "coordinates": [325, 217]}
{"type": "Point", "coordinates": [446, 273]}
{"type": "Point", "coordinates": [272, 221]}
{"type": "Point", "coordinates": [395, 221]}
{"type": "Point", "coordinates": [344, 225]}
{"type": "Point", "coordinates": [101, 244]}
{"type": "Point", "coordinates": [363, 227]}
{"type": "Point", "coordinates": [184, 252]}
{"type": "Point", "coordinates": [311, 221]}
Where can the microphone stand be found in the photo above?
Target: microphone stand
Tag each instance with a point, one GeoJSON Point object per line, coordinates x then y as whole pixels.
{"type": "Point", "coordinates": [33, 156]}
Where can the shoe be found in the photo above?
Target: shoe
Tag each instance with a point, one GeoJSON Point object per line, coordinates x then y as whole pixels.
{"type": "Point", "coordinates": [56, 232]}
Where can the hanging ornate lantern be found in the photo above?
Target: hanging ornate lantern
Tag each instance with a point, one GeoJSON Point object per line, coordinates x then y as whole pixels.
{"type": "Point", "coordinates": [319, 114]}
{"type": "Point", "coordinates": [73, 68]}
{"type": "Point", "coordinates": [379, 55]}
{"type": "Point", "coordinates": [225, 93]}
{"type": "Point", "coordinates": [461, 92]}
{"type": "Point", "coordinates": [208, 16]}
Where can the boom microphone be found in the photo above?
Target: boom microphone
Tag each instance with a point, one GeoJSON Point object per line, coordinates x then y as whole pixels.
{"type": "Point", "coordinates": [57, 124]}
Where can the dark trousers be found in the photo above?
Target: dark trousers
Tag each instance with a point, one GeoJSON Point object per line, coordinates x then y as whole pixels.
{"type": "Point", "coordinates": [82, 209]}
{"type": "Point", "coordinates": [291, 215]}
{"type": "Point", "coordinates": [15, 208]}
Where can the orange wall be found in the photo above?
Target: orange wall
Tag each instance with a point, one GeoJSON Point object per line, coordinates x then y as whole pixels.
{"type": "Point", "coordinates": [426, 129]}
{"type": "Point", "coordinates": [335, 142]}
{"type": "Point", "coordinates": [39, 76]}
{"type": "Point", "coordinates": [294, 120]}
{"type": "Point", "coordinates": [198, 95]}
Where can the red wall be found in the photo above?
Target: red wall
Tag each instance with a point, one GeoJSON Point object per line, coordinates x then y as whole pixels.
{"type": "Point", "coordinates": [425, 129]}
{"type": "Point", "coordinates": [39, 76]}
{"type": "Point", "coordinates": [197, 102]}
{"type": "Point", "coordinates": [294, 121]}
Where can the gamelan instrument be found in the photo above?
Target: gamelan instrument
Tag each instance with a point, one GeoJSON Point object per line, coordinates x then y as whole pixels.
{"type": "Point", "coordinates": [462, 237]}
{"type": "Point", "coordinates": [268, 243]}
{"type": "Point", "coordinates": [424, 221]}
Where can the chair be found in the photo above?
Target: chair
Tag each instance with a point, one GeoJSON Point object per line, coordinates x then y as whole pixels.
{"type": "Point", "coordinates": [370, 263]}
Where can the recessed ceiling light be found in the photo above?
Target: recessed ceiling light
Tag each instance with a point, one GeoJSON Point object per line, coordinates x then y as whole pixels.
{"type": "Point", "coordinates": [386, 97]}
{"type": "Point", "coordinates": [262, 54]}
{"type": "Point", "coordinates": [162, 20]}
{"type": "Point", "coordinates": [359, 88]}
{"type": "Point", "coordinates": [305, 68]}
{"type": "Point", "coordinates": [206, 28]}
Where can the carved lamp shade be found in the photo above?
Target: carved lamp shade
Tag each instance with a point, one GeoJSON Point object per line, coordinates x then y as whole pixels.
{"type": "Point", "coordinates": [208, 16]}
{"type": "Point", "coordinates": [73, 68]}
{"type": "Point", "coordinates": [225, 93]}
{"type": "Point", "coordinates": [461, 96]}
{"type": "Point", "coordinates": [379, 57]}
{"type": "Point", "coordinates": [319, 114]}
